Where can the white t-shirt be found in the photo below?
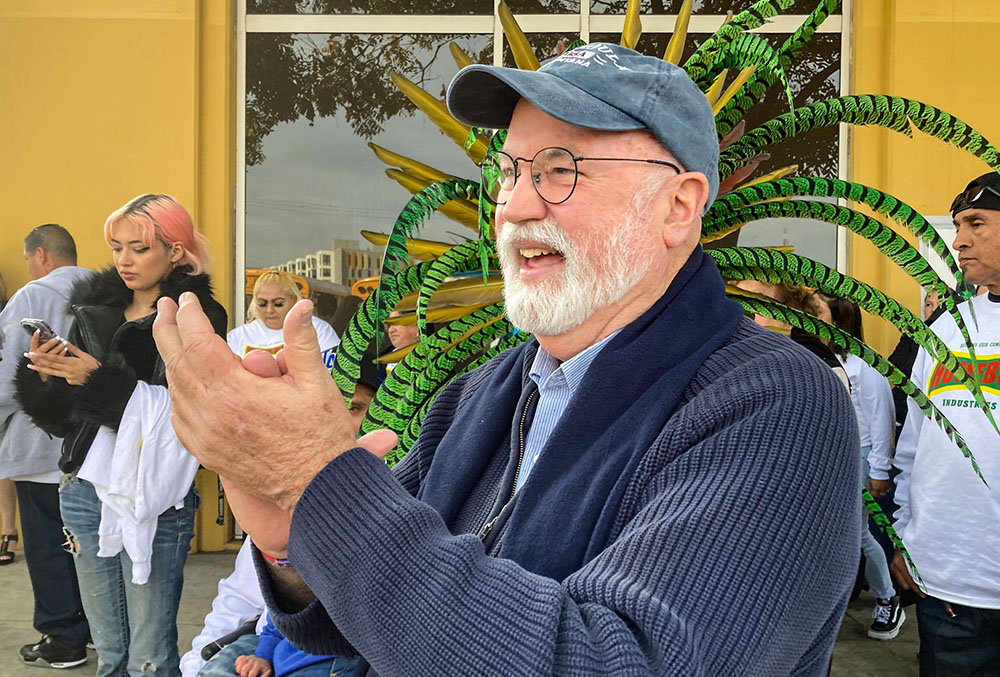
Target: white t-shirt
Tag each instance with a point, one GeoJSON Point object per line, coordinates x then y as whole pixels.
{"type": "Point", "coordinates": [256, 336]}
{"type": "Point", "coordinates": [948, 519]}
{"type": "Point", "coordinates": [871, 395]}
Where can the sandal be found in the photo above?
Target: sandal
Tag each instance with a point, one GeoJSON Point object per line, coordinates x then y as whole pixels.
{"type": "Point", "coordinates": [6, 552]}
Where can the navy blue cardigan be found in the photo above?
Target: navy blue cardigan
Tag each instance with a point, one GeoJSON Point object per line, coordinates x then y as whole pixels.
{"type": "Point", "coordinates": [728, 546]}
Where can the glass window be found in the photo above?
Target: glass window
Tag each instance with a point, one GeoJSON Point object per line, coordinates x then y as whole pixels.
{"type": "Point", "coordinates": [544, 6]}
{"type": "Point", "coordinates": [669, 6]}
{"type": "Point", "coordinates": [369, 7]}
{"type": "Point", "coordinates": [546, 46]}
{"type": "Point", "coordinates": [314, 102]}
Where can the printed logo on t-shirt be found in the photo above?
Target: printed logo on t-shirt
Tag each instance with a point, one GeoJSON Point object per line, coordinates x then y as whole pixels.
{"type": "Point", "coordinates": [987, 367]}
{"type": "Point", "coordinates": [273, 349]}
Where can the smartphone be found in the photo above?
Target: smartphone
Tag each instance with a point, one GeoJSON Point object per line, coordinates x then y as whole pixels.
{"type": "Point", "coordinates": [45, 332]}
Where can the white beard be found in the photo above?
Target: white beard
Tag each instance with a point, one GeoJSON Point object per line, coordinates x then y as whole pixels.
{"type": "Point", "coordinates": [596, 274]}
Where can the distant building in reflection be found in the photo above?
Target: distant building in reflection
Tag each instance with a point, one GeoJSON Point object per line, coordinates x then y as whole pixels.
{"type": "Point", "coordinates": [345, 263]}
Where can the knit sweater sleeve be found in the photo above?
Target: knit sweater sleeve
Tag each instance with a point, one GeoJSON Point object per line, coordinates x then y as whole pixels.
{"type": "Point", "coordinates": [737, 559]}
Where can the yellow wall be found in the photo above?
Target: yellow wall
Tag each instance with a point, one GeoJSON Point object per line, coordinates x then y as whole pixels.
{"type": "Point", "coordinates": [939, 52]}
{"type": "Point", "coordinates": [102, 100]}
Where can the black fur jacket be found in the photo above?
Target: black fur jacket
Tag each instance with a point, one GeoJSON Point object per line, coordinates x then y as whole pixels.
{"type": "Point", "coordinates": [125, 350]}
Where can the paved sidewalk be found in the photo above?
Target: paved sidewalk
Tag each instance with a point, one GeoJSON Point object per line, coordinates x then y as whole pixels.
{"type": "Point", "coordinates": [854, 656]}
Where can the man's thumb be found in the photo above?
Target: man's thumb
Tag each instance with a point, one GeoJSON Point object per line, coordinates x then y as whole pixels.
{"type": "Point", "coordinates": [301, 352]}
{"type": "Point", "coordinates": [379, 442]}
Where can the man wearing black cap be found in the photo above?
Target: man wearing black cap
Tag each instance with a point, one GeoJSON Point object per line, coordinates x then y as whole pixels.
{"type": "Point", "coordinates": [947, 517]}
{"type": "Point", "coordinates": [614, 497]}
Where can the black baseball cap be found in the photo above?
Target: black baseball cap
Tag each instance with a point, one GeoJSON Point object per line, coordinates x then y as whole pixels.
{"type": "Point", "coordinates": [981, 193]}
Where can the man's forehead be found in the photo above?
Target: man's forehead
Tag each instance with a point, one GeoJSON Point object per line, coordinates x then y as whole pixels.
{"type": "Point", "coordinates": [967, 215]}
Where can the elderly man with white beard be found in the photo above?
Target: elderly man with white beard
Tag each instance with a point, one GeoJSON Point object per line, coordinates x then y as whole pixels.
{"type": "Point", "coordinates": [651, 486]}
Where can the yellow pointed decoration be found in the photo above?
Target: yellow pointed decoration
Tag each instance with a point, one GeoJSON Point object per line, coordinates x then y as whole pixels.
{"type": "Point", "coordinates": [464, 291]}
{"type": "Point", "coordinates": [524, 56]}
{"type": "Point", "coordinates": [409, 165]}
{"type": "Point", "coordinates": [715, 90]}
{"type": "Point", "coordinates": [438, 113]}
{"type": "Point", "coordinates": [396, 355]}
{"type": "Point", "coordinates": [740, 291]}
{"type": "Point", "coordinates": [425, 250]}
{"type": "Point", "coordinates": [633, 25]}
{"type": "Point", "coordinates": [733, 88]}
{"type": "Point", "coordinates": [772, 176]}
{"type": "Point", "coordinates": [465, 212]}
{"type": "Point", "coordinates": [443, 314]}
{"type": "Point", "coordinates": [675, 48]}
{"type": "Point", "coordinates": [705, 239]}
{"type": "Point", "coordinates": [459, 55]}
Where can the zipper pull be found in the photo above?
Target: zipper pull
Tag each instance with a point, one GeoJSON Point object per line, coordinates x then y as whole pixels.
{"type": "Point", "coordinates": [485, 531]}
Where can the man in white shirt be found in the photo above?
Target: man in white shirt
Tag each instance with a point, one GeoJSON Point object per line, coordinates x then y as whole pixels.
{"type": "Point", "coordinates": [29, 456]}
{"type": "Point", "coordinates": [947, 516]}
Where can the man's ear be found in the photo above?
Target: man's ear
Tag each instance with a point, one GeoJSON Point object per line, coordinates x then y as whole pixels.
{"type": "Point", "coordinates": [43, 257]}
{"type": "Point", "coordinates": [687, 197]}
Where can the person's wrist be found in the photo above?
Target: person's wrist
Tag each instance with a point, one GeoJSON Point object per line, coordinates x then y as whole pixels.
{"type": "Point", "coordinates": [300, 481]}
{"type": "Point", "coordinates": [279, 559]}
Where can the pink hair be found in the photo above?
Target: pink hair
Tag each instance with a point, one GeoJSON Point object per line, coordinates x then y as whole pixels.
{"type": "Point", "coordinates": [161, 217]}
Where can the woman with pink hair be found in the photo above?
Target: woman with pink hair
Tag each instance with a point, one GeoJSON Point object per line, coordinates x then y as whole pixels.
{"type": "Point", "coordinates": [127, 500]}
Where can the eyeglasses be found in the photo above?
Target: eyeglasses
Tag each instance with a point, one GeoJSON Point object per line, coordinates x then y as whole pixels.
{"type": "Point", "coordinates": [554, 173]}
{"type": "Point", "coordinates": [968, 197]}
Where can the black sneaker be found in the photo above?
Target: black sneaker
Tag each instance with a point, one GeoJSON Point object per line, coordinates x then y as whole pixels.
{"type": "Point", "coordinates": [51, 653]}
{"type": "Point", "coordinates": [887, 618]}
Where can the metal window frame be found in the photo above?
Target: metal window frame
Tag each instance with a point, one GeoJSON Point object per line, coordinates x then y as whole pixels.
{"type": "Point", "coordinates": [584, 23]}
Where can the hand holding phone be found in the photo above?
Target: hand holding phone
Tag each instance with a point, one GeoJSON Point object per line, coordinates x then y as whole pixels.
{"type": "Point", "coordinates": [45, 332]}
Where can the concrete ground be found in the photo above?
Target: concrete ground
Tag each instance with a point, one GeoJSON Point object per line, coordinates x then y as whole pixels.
{"type": "Point", "coordinates": [855, 655]}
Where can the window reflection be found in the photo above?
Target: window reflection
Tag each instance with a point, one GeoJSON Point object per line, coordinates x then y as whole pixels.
{"type": "Point", "coordinates": [314, 102]}
{"type": "Point", "coordinates": [369, 7]}
{"type": "Point", "coordinates": [544, 6]}
{"type": "Point", "coordinates": [670, 6]}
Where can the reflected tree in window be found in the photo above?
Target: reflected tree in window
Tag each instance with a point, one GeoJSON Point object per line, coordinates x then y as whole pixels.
{"type": "Point", "coordinates": [397, 7]}
{"type": "Point", "coordinates": [674, 6]}
{"type": "Point", "coordinates": [293, 76]}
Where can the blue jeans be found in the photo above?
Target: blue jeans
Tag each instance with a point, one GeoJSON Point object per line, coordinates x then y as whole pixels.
{"type": "Point", "coordinates": [134, 627]}
{"type": "Point", "coordinates": [223, 664]}
{"type": "Point", "coordinates": [876, 565]}
{"type": "Point", "coordinates": [966, 645]}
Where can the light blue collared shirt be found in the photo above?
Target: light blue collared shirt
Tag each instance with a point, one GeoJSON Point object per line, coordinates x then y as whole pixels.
{"type": "Point", "coordinates": [556, 384]}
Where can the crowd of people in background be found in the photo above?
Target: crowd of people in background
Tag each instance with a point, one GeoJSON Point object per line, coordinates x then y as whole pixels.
{"type": "Point", "coordinates": [105, 483]}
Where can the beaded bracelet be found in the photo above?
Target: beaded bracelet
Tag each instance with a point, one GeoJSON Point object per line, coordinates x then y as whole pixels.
{"type": "Point", "coordinates": [276, 561]}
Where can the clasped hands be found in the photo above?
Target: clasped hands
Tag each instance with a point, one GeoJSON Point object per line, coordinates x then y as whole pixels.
{"type": "Point", "coordinates": [267, 426]}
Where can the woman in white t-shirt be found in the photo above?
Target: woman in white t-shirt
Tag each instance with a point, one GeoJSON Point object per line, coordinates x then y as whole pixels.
{"type": "Point", "coordinates": [274, 294]}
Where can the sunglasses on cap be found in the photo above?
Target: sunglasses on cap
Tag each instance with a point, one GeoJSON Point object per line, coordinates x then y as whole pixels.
{"type": "Point", "coordinates": [969, 196]}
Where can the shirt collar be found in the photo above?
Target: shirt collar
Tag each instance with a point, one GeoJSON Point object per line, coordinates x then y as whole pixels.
{"type": "Point", "coordinates": [546, 368]}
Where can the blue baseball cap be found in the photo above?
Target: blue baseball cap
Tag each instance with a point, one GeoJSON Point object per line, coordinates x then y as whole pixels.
{"type": "Point", "coordinates": [599, 86]}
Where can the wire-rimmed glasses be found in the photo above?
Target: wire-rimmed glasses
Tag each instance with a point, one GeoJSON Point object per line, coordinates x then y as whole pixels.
{"type": "Point", "coordinates": [554, 173]}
